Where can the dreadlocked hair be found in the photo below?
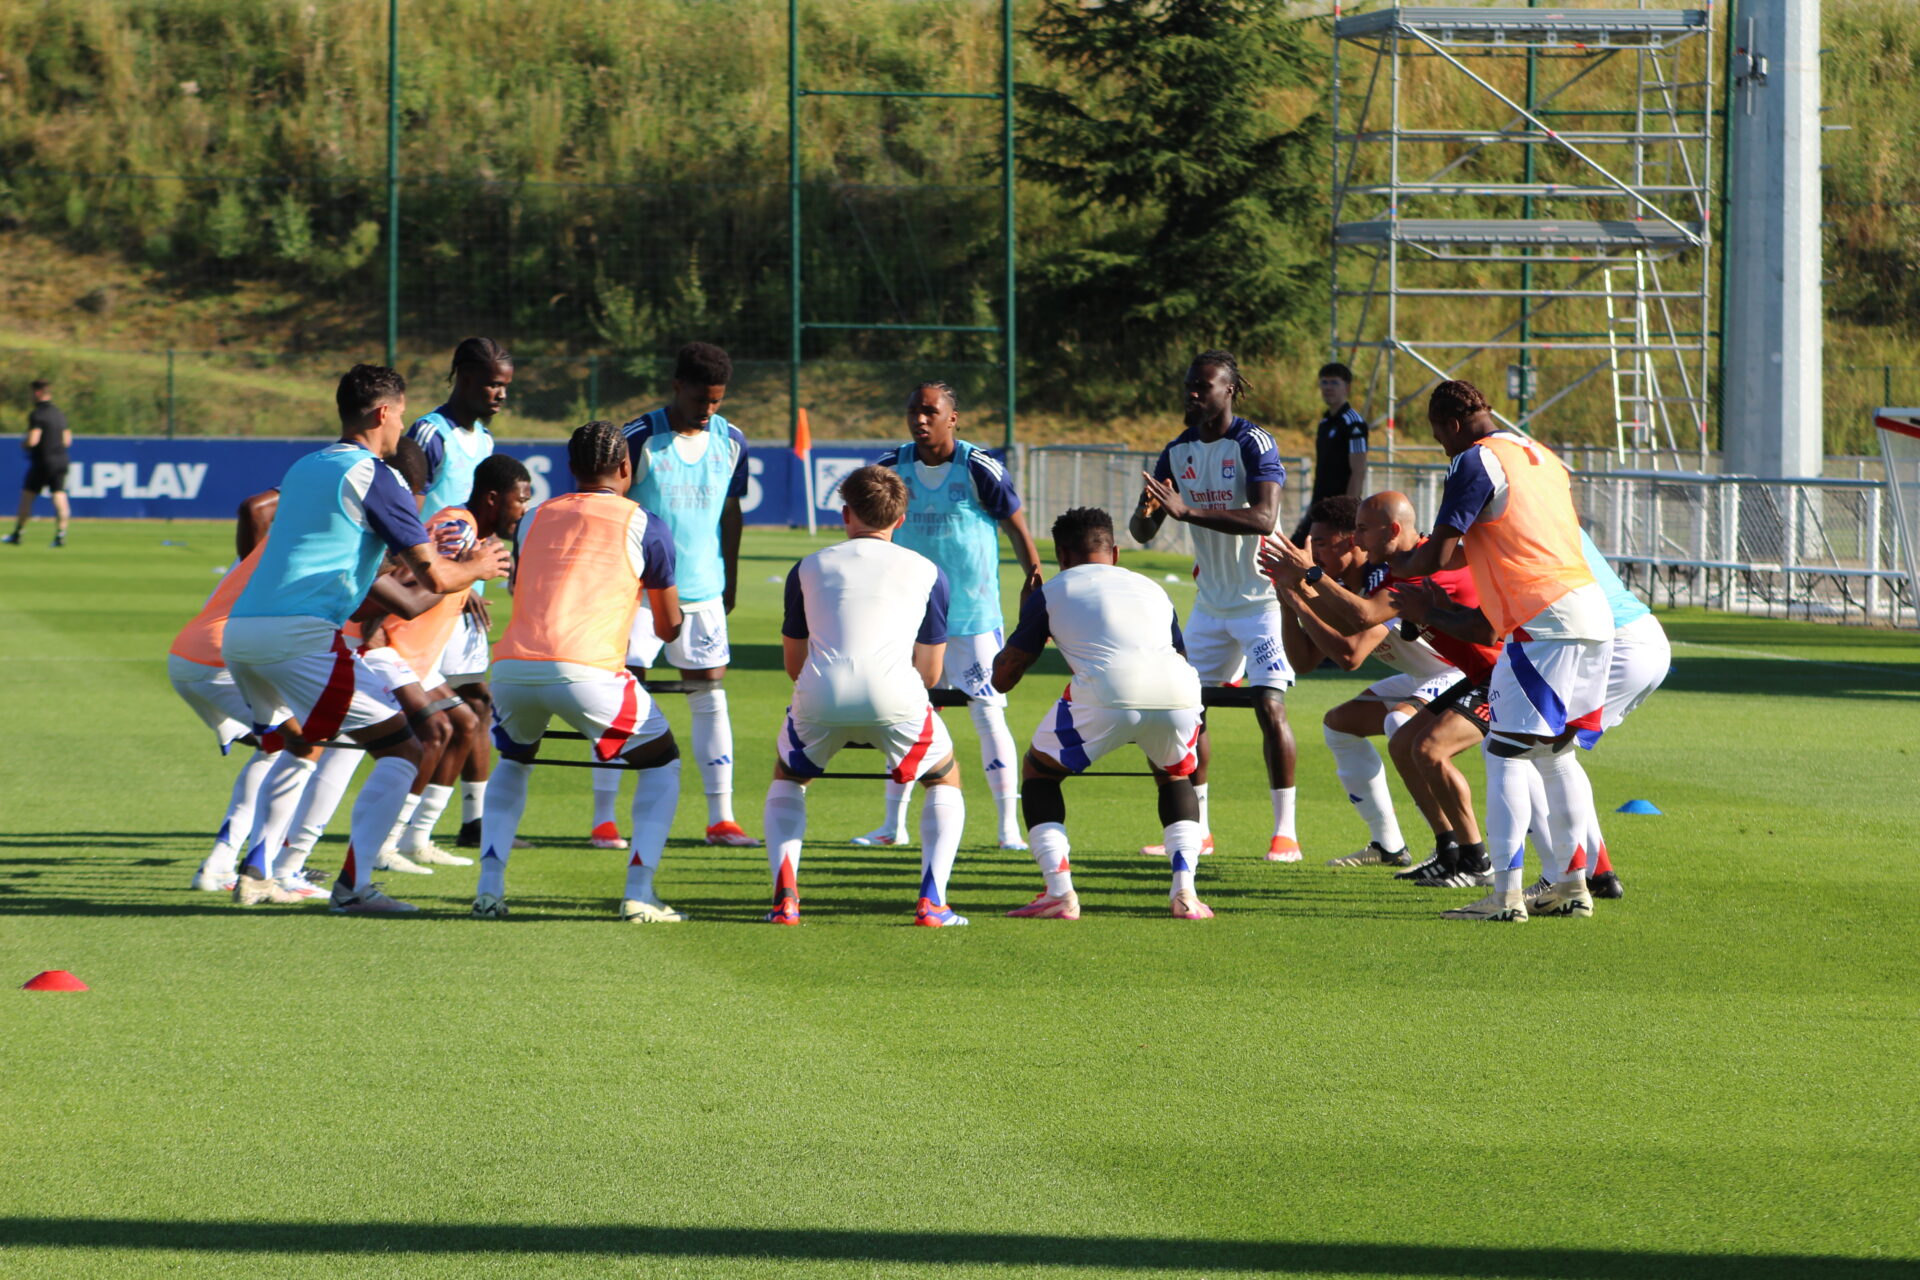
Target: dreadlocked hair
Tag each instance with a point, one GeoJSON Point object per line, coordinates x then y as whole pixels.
{"type": "Point", "coordinates": [1456, 402]}
{"type": "Point", "coordinates": [595, 449]}
{"type": "Point", "coordinates": [477, 353]}
{"type": "Point", "coordinates": [1223, 360]}
{"type": "Point", "coordinates": [953, 397]}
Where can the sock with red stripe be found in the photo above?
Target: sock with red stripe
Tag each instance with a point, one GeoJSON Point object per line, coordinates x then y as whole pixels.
{"type": "Point", "coordinates": [242, 804]}
{"type": "Point", "coordinates": [1570, 815]}
{"type": "Point", "coordinates": [506, 802]}
{"type": "Point", "coordinates": [374, 814]}
{"type": "Point", "coordinates": [1183, 851]}
{"type": "Point", "coordinates": [1050, 850]}
{"type": "Point", "coordinates": [279, 797]}
{"type": "Point", "coordinates": [713, 751]}
{"type": "Point", "coordinates": [942, 819]}
{"type": "Point", "coordinates": [656, 793]}
{"type": "Point", "coordinates": [785, 817]}
{"type": "Point", "coordinates": [606, 795]}
{"type": "Point", "coordinates": [1602, 864]}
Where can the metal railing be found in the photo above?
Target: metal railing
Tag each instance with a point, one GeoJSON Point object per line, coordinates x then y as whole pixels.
{"type": "Point", "coordinates": [1823, 549]}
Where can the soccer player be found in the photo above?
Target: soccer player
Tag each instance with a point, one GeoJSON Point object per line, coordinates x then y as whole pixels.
{"type": "Point", "coordinates": [585, 558]}
{"type": "Point", "coordinates": [1131, 683]}
{"type": "Point", "coordinates": [456, 439]}
{"type": "Point", "coordinates": [1509, 502]}
{"type": "Point", "coordinates": [960, 499]}
{"type": "Point", "coordinates": [864, 637]}
{"type": "Point", "coordinates": [501, 490]}
{"type": "Point", "coordinates": [1222, 476]}
{"type": "Point", "coordinates": [339, 507]}
{"type": "Point", "coordinates": [45, 444]}
{"type": "Point", "coordinates": [690, 472]}
{"type": "Point", "coordinates": [1339, 443]}
{"type": "Point", "coordinates": [1422, 711]}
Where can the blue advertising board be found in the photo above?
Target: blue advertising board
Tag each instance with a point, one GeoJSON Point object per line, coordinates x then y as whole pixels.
{"type": "Point", "coordinates": [150, 477]}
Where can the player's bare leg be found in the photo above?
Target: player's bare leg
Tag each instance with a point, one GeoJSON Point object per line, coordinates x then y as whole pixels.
{"type": "Point", "coordinates": [1425, 749]}
{"type": "Point", "coordinates": [1276, 744]}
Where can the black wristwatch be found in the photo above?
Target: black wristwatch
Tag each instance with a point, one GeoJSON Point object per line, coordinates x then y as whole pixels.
{"type": "Point", "coordinates": [1314, 575]}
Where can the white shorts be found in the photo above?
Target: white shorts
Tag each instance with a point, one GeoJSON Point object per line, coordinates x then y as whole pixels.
{"type": "Point", "coordinates": [911, 747]}
{"type": "Point", "coordinates": [329, 693]}
{"type": "Point", "coordinates": [1641, 660]}
{"type": "Point", "coordinates": [1216, 647]}
{"type": "Point", "coordinates": [392, 668]}
{"type": "Point", "coordinates": [214, 697]}
{"type": "Point", "coordinates": [700, 646]}
{"type": "Point", "coordinates": [1545, 687]}
{"type": "Point", "coordinates": [466, 657]}
{"type": "Point", "coordinates": [1076, 735]}
{"type": "Point", "coordinates": [615, 714]}
{"type": "Point", "coordinates": [1404, 686]}
{"type": "Point", "coordinates": [969, 667]}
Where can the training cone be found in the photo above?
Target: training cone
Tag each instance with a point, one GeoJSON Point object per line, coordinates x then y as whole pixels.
{"type": "Point", "coordinates": [53, 980]}
{"type": "Point", "coordinates": [1638, 806]}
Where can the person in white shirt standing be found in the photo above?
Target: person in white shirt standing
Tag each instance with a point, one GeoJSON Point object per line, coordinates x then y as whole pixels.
{"type": "Point", "coordinates": [1222, 476]}
{"type": "Point", "coordinates": [865, 637]}
{"type": "Point", "coordinates": [1131, 683]}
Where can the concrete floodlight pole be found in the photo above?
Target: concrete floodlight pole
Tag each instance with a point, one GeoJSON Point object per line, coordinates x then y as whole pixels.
{"type": "Point", "coordinates": [1773, 401]}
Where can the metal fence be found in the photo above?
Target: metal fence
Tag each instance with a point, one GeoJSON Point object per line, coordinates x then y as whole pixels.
{"type": "Point", "coordinates": [1824, 549]}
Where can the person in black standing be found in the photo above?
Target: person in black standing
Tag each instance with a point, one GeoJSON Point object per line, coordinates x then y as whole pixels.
{"type": "Point", "coordinates": [46, 447]}
{"type": "Point", "coordinates": [1339, 445]}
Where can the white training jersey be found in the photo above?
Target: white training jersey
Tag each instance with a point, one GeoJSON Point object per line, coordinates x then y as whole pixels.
{"type": "Point", "coordinates": [861, 605]}
{"type": "Point", "coordinates": [1216, 475]}
{"type": "Point", "coordinates": [1118, 633]}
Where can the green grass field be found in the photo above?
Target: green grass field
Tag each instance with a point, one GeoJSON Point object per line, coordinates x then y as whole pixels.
{"type": "Point", "coordinates": [1710, 1079]}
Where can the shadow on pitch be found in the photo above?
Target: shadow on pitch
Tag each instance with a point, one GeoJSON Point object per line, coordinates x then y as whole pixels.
{"type": "Point", "coordinates": [1113, 1253]}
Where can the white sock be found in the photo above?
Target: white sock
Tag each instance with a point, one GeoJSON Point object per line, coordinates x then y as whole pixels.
{"type": "Point", "coordinates": [381, 796]}
{"type": "Point", "coordinates": [1200, 792]}
{"type": "Point", "coordinates": [998, 760]}
{"type": "Point", "coordinates": [942, 819]}
{"type": "Point", "coordinates": [1570, 813]}
{"type": "Point", "coordinates": [506, 803]}
{"type": "Point", "coordinates": [1050, 849]}
{"type": "Point", "coordinates": [1508, 808]}
{"type": "Point", "coordinates": [713, 750]}
{"type": "Point", "coordinates": [1183, 851]}
{"type": "Point", "coordinates": [899, 799]}
{"type": "Point", "coordinates": [241, 807]}
{"type": "Point", "coordinates": [318, 803]}
{"type": "Point", "coordinates": [606, 795]}
{"type": "Point", "coordinates": [785, 818]}
{"type": "Point", "coordinates": [473, 801]}
{"type": "Point", "coordinates": [656, 793]}
{"type": "Point", "coordinates": [1537, 826]}
{"type": "Point", "coordinates": [1365, 778]}
{"type": "Point", "coordinates": [419, 833]}
{"type": "Point", "coordinates": [407, 809]}
{"type": "Point", "coordinates": [273, 814]}
{"type": "Point", "coordinates": [1393, 720]}
{"type": "Point", "coordinates": [1283, 812]}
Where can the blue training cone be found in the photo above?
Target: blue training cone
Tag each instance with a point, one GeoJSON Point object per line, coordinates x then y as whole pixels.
{"type": "Point", "coordinates": [1638, 806]}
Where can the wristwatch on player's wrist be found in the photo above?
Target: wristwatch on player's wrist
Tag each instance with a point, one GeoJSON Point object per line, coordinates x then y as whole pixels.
{"type": "Point", "coordinates": [1314, 575]}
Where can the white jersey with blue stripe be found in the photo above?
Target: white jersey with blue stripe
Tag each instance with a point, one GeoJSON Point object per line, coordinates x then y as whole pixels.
{"type": "Point", "coordinates": [1218, 475]}
{"type": "Point", "coordinates": [1118, 633]}
{"type": "Point", "coordinates": [341, 509]}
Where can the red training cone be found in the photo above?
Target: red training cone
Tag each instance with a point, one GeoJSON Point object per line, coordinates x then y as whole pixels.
{"type": "Point", "coordinates": [53, 980]}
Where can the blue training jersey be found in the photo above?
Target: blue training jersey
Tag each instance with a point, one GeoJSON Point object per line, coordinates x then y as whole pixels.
{"type": "Point", "coordinates": [1626, 606]}
{"type": "Point", "coordinates": [689, 496]}
{"type": "Point", "coordinates": [954, 522]}
{"type": "Point", "coordinates": [341, 509]}
{"type": "Point", "coordinates": [453, 453]}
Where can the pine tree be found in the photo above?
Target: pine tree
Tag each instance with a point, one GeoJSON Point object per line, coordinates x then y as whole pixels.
{"type": "Point", "coordinates": [1205, 200]}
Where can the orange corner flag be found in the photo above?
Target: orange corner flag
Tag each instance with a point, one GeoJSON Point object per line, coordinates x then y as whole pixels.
{"type": "Point", "coordinates": [802, 435]}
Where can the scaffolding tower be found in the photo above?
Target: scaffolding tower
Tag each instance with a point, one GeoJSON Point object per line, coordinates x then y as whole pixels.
{"type": "Point", "coordinates": [1528, 187]}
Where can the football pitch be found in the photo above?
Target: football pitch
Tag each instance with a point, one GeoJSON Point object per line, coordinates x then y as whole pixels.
{"type": "Point", "coordinates": [1712, 1078]}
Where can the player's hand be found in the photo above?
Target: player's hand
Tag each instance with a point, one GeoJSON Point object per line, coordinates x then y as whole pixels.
{"type": "Point", "coordinates": [1416, 601]}
{"type": "Point", "coordinates": [1281, 561]}
{"type": "Point", "coordinates": [726, 598]}
{"type": "Point", "coordinates": [1032, 584]}
{"type": "Point", "coordinates": [1161, 495]}
{"type": "Point", "coordinates": [493, 561]}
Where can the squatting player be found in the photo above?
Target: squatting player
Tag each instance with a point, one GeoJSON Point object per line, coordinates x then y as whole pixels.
{"type": "Point", "coordinates": [1509, 501]}
{"type": "Point", "coordinates": [959, 501]}
{"type": "Point", "coordinates": [1222, 475]}
{"type": "Point", "coordinates": [1131, 683]}
{"type": "Point", "coordinates": [690, 471]}
{"type": "Point", "coordinates": [864, 638]}
{"type": "Point", "coordinates": [339, 507]}
{"type": "Point", "coordinates": [585, 558]}
{"type": "Point", "coordinates": [456, 439]}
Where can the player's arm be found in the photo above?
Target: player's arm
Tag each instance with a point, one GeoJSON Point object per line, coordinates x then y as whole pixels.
{"type": "Point", "coordinates": [397, 595]}
{"type": "Point", "coordinates": [393, 517]}
{"type": "Point", "coordinates": [1430, 556]}
{"type": "Point", "coordinates": [1029, 637]}
{"type": "Point", "coordinates": [650, 550]}
{"type": "Point", "coordinates": [930, 643]}
{"type": "Point", "coordinates": [997, 497]}
{"type": "Point", "coordinates": [252, 521]}
{"type": "Point", "coordinates": [1148, 514]}
{"type": "Point", "coordinates": [1348, 651]}
{"type": "Point", "coordinates": [1024, 549]}
{"type": "Point", "coordinates": [1427, 605]}
{"type": "Point", "coordinates": [1347, 614]}
{"type": "Point", "coordinates": [31, 439]}
{"type": "Point", "coordinates": [1357, 459]}
{"type": "Point", "coordinates": [732, 520]}
{"type": "Point", "coordinates": [793, 626]}
{"type": "Point", "coordinates": [667, 617]}
{"type": "Point", "coordinates": [1255, 519]}
{"type": "Point", "coordinates": [1468, 490]}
